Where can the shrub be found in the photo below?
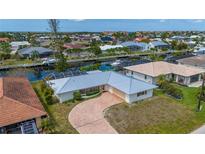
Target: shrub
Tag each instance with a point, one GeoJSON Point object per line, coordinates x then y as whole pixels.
{"type": "Point", "coordinates": [92, 92]}
{"type": "Point", "coordinates": [77, 95]}
{"type": "Point", "coordinates": [49, 99]}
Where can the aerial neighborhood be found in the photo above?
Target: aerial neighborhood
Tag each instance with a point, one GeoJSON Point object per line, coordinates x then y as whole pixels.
{"type": "Point", "coordinates": [109, 82]}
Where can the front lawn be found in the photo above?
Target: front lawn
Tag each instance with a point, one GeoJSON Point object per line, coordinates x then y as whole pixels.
{"type": "Point", "coordinates": [58, 113]}
{"type": "Point", "coordinates": [160, 114]}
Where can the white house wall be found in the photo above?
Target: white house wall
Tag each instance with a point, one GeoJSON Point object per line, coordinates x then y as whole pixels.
{"type": "Point", "coordinates": [65, 96]}
{"type": "Point", "coordinates": [133, 97]}
{"type": "Point", "coordinates": [140, 76]}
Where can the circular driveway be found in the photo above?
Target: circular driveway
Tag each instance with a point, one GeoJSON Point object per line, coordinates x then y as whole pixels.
{"type": "Point", "coordinates": [88, 118]}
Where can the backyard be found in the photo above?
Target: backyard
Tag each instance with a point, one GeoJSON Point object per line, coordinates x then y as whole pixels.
{"type": "Point", "coordinates": [160, 114]}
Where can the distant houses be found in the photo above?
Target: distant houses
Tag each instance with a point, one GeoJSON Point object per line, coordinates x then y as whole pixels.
{"type": "Point", "coordinates": [127, 88]}
{"type": "Point", "coordinates": [107, 47]}
{"type": "Point", "coordinates": [17, 44]}
{"type": "Point", "coordinates": [20, 109]}
{"type": "Point", "coordinates": [134, 46]}
{"type": "Point", "coordinates": [41, 51]}
{"type": "Point", "coordinates": [178, 73]}
{"type": "Point", "coordinates": [159, 45]}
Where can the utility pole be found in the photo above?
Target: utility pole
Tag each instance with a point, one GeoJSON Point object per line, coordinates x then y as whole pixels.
{"type": "Point", "coordinates": [202, 94]}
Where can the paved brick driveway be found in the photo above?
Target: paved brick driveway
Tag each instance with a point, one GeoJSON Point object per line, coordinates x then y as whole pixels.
{"type": "Point", "coordinates": [88, 118]}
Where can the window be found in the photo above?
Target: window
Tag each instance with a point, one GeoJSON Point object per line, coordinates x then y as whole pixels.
{"type": "Point", "coordinates": [141, 93]}
{"type": "Point", "coordinates": [145, 77]}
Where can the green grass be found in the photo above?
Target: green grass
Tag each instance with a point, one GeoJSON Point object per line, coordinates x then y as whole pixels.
{"type": "Point", "coordinates": [16, 62]}
{"type": "Point", "coordinates": [57, 112]}
{"type": "Point", "coordinates": [160, 114]}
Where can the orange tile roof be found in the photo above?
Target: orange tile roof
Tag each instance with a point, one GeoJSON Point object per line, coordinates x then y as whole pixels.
{"type": "Point", "coordinates": [18, 101]}
{"type": "Point", "coordinates": [155, 69]}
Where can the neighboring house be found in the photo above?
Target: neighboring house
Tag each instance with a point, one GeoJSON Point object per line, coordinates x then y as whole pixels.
{"type": "Point", "coordinates": [149, 72]}
{"type": "Point", "coordinates": [158, 45]}
{"type": "Point", "coordinates": [4, 39]}
{"type": "Point", "coordinates": [106, 39]}
{"type": "Point", "coordinates": [15, 45]}
{"type": "Point", "coordinates": [42, 52]}
{"type": "Point", "coordinates": [134, 46]}
{"type": "Point", "coordinates": [20, 109]}
{"type": "Point", "coordinates": [106, 47]}
{"type": "Point", "coordinates": [199, 51]}
{"type": "Point", "coordinates": [197, 61]}
{"type": "Point", "coordinates": [73, 46]}
{"type": "Point", "coordinates": [127, 88]}
{"type": "Point", "coordinates": [178, 38]}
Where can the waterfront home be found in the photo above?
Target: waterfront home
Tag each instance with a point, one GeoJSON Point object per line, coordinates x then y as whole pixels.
{"type": "Point", "coordinates": [17, 44]}
{"type": "Point", "coordinates": [41, 51]}
{"type": "Point", "coordinates": [158, 45]}
{"type": "Point", "coordinates": [107, 47]}
{"type": "Point", "coordinates": [199, 51]}
{"type": "Point", "coordinates": [127, 88]}
{"type": "Point", "coordinates": [20, 109]}
{"type": "Point", "coordinates": [196, 61]}
{"type": "Point", "coordinates": [134, 46]}
{"type": "Point", "coordinates": [149, 72]}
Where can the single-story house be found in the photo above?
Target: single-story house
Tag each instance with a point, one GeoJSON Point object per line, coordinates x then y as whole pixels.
{"type": "Point", "coordinates": [20, 109]}
{"type": "Point", "coordinates": [149, 72]}
{"type": "Point", "coordinates": [4, 39]}
{"type": "Point", "coordinates": [107, 47]}
{"type": "Point", "coordinates": [15, 45]}
{"type": "Point", "coordinates": [196, 61]}
{"type": "Point", "coordinates": [106, 39]}
{"type": "Point", "coordinates": [199, 51]}
{"type": "Point", "coordinates": [158, 45]}
{"type": "Point", "coordinates": [74, 46]}
{"type": "Point", "coordinates": [127, 88]}
{"type": "Point", "coordinates": [134, 46]}
{"type": "Point", "coordinates": [42, 52]}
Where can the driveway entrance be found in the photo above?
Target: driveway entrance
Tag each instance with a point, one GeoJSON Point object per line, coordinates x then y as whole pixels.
{"type": "Point", "coordinates": [88, 118]}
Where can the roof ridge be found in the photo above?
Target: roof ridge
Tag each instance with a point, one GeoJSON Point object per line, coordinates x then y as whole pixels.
{"type": "Point", "coordinates": [130, 83]}
{"type": "Point", "coordinates": [24, 104]}
{"type": "Point", "coordinates": [69, 78]}
{"type": "Point", "coordinates": [110, 72]}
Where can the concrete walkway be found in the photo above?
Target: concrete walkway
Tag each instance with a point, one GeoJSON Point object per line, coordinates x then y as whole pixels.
{"type": "Point", "coordinates": [88, 118]}
{"type": "Point", "coordinates": [200, 130]}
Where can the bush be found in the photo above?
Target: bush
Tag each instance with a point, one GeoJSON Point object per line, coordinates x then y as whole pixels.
{"type": "Point", "coordinates": [92, 92]}
{"type": "Point", "coordinates": [77, 95]}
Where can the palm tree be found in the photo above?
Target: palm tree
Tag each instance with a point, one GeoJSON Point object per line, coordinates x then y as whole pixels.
{"type": "Point", "coordinates": [201, 96]}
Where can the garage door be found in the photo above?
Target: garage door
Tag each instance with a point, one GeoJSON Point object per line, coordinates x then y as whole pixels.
{"type": "Point", "coordinates": [118, 93]}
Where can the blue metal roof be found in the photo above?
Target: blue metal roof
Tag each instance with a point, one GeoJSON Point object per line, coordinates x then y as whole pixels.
{"type": "Point", "coordinates": [30, 50]}
{"type": "Point", "coordinates": [121, 82]}
{"type": "Point", "coordinates": [159, 43]}
{"type": "Point", "coordinates": [132, 43]}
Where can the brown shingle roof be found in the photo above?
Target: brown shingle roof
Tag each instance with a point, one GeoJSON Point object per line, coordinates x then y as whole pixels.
{"type": "Point", "coordinates": [155, 69]}
{"type": "Point", "coordinates": [18, 101]}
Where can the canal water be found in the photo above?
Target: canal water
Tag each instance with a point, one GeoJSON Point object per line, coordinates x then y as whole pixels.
{"type": "Point", "coordinates": [41, 73]}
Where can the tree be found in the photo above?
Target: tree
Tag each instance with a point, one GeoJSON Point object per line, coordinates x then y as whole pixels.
{"type": "Point", "coordinates": [54, 27]}
{"type": "Point", "coordinates": [5, 47]}
{"type": "Point", "coordinates": [61, 64]}
{"type": "Point", "coordinates": [77, 95]}
{"type": "Point", "coordinates": [35, 55]}
{"type": "Point", "coordinates": [96, 50]}
{"type": "Point", "coordinates": [201, 96]}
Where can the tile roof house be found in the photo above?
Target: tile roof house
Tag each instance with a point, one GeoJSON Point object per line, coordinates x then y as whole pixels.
{"type": "Point", "coordinates": [19, 106]}
{"type": "Point", "coordinates": [196, 61]}
{"type": "Point", "coordinates": [127, 88]}
{"type": "Point", "coordinates": [179, 73]}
